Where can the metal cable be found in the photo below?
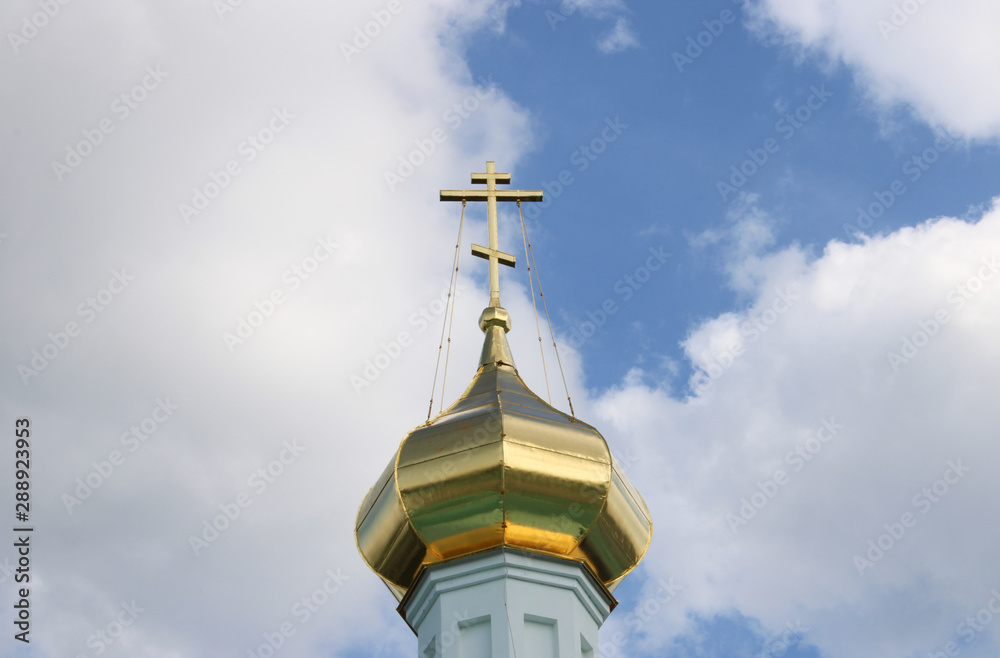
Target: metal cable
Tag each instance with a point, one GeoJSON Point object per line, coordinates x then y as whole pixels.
{"type": "Point", "coordinates": [451, 289]}
{"type": "Point", "coordinates": [451, 318]}
{"type": "Point", "coordinates": [534, 304]}
{"type": "Point", "coordinates": [531, 257]}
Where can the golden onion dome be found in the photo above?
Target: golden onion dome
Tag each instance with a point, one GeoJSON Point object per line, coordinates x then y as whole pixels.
{"type": "Point", "coordinates": [501, 468]}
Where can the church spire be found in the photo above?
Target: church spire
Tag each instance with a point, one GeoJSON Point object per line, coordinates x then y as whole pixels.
{"type": "Point", "coordinates": [502, 525]}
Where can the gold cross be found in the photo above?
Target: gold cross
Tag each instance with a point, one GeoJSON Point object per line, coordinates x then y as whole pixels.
{"type": "Point", "coordinates": [491, 195]}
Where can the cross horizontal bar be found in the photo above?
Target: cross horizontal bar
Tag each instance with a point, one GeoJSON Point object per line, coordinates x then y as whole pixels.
{"type": "Point", "coordinates": [502, 258]}
{"type": "Point", "coordinates": [484, 195]}
{"type": "Point", "coordinates": [482, 179]}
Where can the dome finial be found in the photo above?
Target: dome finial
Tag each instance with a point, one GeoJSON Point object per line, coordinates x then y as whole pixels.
{"type": "Point", "coordinates": [491, 195]}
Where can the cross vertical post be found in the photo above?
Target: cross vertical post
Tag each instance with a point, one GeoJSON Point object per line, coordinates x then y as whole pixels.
{"type": "Point", "coordinates": [491, 222]}
{"type": "Point", "coordinates": [491, 195]}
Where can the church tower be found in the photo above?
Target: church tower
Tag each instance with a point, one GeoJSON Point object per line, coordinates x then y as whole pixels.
{"type": "Point", "coordinates": [502, 526]}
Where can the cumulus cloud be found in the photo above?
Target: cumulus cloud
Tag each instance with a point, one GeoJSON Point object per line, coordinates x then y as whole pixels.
{"type": "Point", "coordinates": [350, 169]}
{"type": "Point", "coordinates": [747, 232]}
{"type": "Point", "coordinates": [230, 236]}
{"type": "Point", "coordinates": [621, 37]}
{"type": "Point", "coordinates": [850, 404]}
{"type": "Point", "coordinates": [932, 57]}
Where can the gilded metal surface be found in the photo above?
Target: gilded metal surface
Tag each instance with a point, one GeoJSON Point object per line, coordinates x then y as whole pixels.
{"type": "Point", "coordinates": [491, 195]}
{"type": "Point", "coordinates": [501, 468]}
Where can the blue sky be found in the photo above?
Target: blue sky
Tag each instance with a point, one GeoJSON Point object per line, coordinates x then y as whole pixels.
{"type": "Point", "coordinates": [769, 249]}
{"type": "Point", "coordinates": [688, 125]}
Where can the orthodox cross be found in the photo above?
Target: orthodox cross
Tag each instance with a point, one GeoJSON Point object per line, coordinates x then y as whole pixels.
{"type": "Point", "coordinates": [491, 195]}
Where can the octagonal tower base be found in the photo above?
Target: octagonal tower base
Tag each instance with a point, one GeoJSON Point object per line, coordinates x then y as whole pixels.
{"type": "Point", "coordinates": [507, 603]}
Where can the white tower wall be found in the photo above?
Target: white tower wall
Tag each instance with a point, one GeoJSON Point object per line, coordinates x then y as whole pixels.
{"type": "Point", "coordinates": [507, 604]}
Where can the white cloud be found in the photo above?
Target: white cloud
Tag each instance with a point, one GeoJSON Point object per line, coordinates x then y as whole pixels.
{"type": "Point", "coordinates": [811, 350]}
{"type": "Point", "coordinates": [937, 58]}
{"type": "Point", "coordinates": [325, 175]}
{"type": "Point", "coordinates": [621, 37]}
{"type": "Point", "coordinates": [355, 114]}
{"type": "Point", "coordinates": [595, 8]}
{"type": "Point", "coordinates": [748, 231]}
